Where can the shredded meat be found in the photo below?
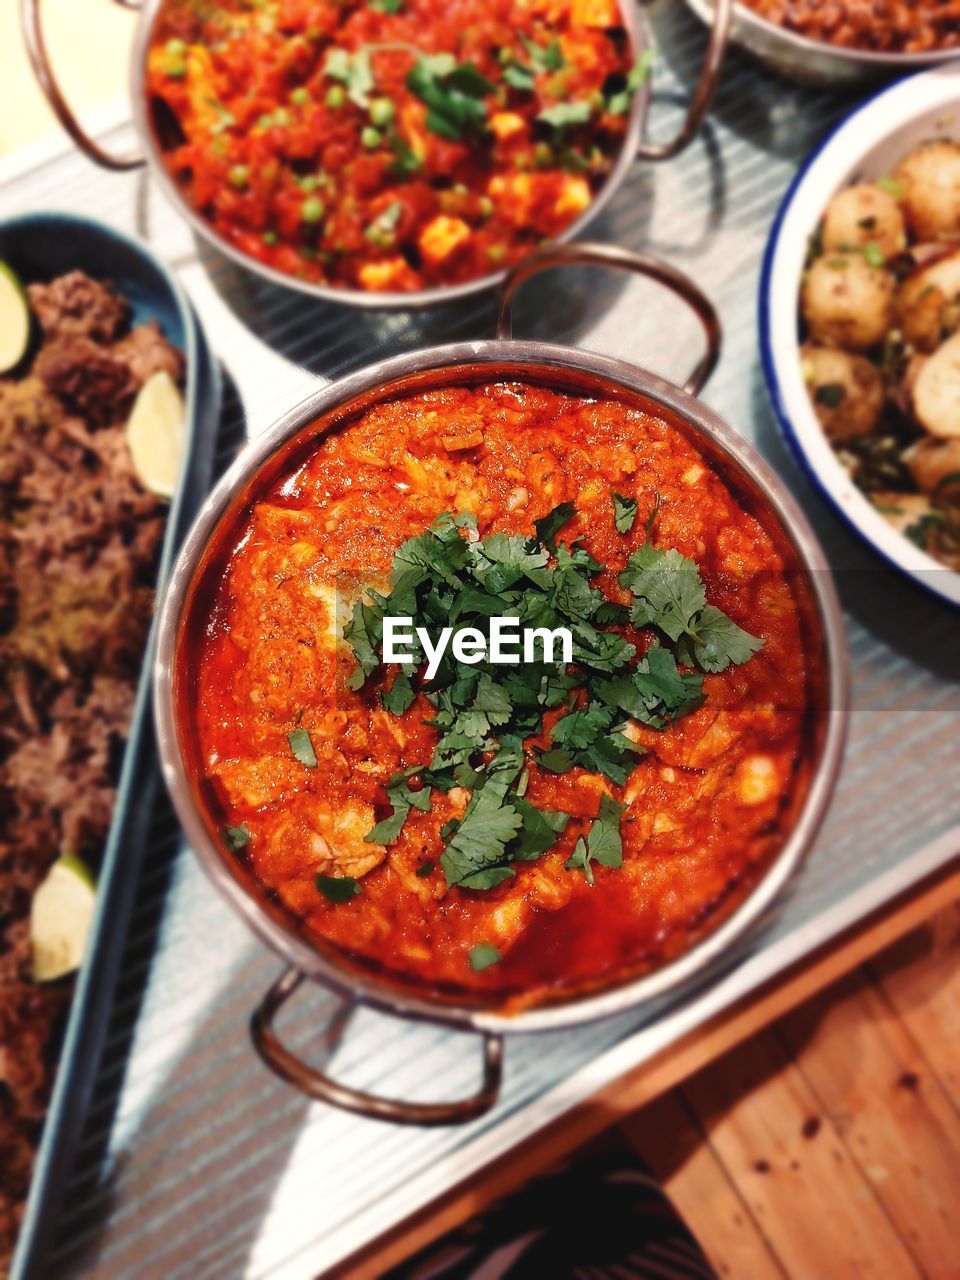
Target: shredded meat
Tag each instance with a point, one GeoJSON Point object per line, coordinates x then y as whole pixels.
{"type": "Point", "coordinates": [77, 306]}
{"type": "Point", "coordinates": [78, 544]}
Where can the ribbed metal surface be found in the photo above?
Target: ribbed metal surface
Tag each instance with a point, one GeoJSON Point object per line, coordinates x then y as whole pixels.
{"type": "Point", "coordinates": [196, 1163]}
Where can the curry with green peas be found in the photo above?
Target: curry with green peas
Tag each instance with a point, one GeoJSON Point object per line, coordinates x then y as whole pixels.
{"type": "Point", "coordinates": [391, 145]}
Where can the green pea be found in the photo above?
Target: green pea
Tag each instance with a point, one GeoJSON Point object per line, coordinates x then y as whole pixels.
{"type": "Point", "coordinates": [496, 252]}
{"type": "Point", "coordinates": [300, 97]}
{"type": "Point", "coordinates": [370, 137]}
{"type": "Point", "coordinates": [312, 210]}
{"type": "Point", "coordinates": [543, 155]}
{"type": "Point", "coordinates": [270, 238]}
{"type": "Point", "coordinates": [175, 48]}
{"type": "Point", "coordinates": [176, 70]}
{"type": "Point", "coordinates": [485, 207]}
{"type": "Point", "coordinates": [238, 175]}
{"type": "Point", "coordinates": [382, 111]}
{"type": "Point", "coordinates": [336, 97]}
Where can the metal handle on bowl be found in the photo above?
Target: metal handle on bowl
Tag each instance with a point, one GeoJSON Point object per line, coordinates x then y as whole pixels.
{"type": "Point", "coordinates": [608, 255]}
{"type": "Point", "coordinates": [703, 94]}
{"type": "Point", "coordinates": [322, 1088]}
{"type": "Point", "coordinates": [43, 70]}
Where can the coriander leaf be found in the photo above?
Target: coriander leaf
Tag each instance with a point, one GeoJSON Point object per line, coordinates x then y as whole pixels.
{"type": "Point", "coordinates": [624, 512]}
{"type": "Point", "coordinates": [364, 633]}
{"type": "Point", "coordinates": [544, 58]}
{"type": "Point", "coordinates": [480, 842]}
{"type": "Point", "coordinates": [668, 589]}
{"type": "Point", "coordinates": [539, 830]}
{"type": "Point", "coordinates": [555, 761]}
{"type": "Point", "coordinates": [562, 114]}
{"type": "Point", "coordinates": [603, 839]}
{"type": "Point", "coordinates": [302, 747]}
{"type": "Point", "coordinates": [579, 728]}
{"type": "Point", "coordinates": [549, 526]}
{"type": "Point", "coordinates": [518, 77]}
{"type": "Point", "coordinates": [388, 829]}
{"type": "Point", "coordinates": [720, 641]}
{"type": "Point", "coordinates": [618, 103]}
{"type": "Point", "coordinates": [338, 888]}
{"type": "Point", "coordinates": [453, 94]}
{"type": "Point", "coordinates": [579, 860]}
{"type": "Point", "coordinates": [236, 837]}
{"type": "Point", "coordinates": [386, 6]}
{"type": "Point", "coordinates": [482, 956]}
{"type": "Point", "coordinates": [400, 696]}
{"type": "Point", "coordinates": [353, 70]}
{"type": "Point", "coordinates": [500, 560]}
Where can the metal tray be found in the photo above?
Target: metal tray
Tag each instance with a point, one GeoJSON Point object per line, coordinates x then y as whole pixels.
{"type": "Point", "coordinates": [41, 246]}
{"type": "Point", "coordinates": [195, 1164]}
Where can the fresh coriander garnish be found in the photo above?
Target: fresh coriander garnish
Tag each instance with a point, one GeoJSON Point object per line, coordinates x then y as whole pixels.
{"type": "Point", "coordinates": [385, 6]}
{"type": "Point", "coordinates": [483, 712]}
{"type": "Point", "coordinates": [236, 837]}
{"type": "Point", "coordinates": [603, 843]}
{"type": "Point", "coordinates": [338, 888]}
{"type": "Point", "coordinates": [453, 94]}
{"type": "Point", "coordinates": [562, 114]}
{"type": "Point", "coordinates": [302, 747]}
{"type": "Point", "coordinates": [624, 512]}
{"type": "Point", "coordinates": [670, 596]}
{"type": "Point", "coordinates": [354, 71]}
{"type": "Point", "coordinates": [618, 102]}
{"type": "Point", "coordinates": [482, 956]}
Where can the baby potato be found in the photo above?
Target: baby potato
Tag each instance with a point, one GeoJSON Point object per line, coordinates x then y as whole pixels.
{"type": "Point", "coordinates": [936, 391]}
{"type": "Point", "coordinates": [930, 178]}
{"type": "Point", "coordinates": [932, 461]}
{"type": "Point", "coordinates": [847, 302]}
{"type": "Point", "coordinates": [862, 215]}
{"type": "Point", "coordinates": [928, 302]}
{"type": "Point", "coordinates": [846, 391]}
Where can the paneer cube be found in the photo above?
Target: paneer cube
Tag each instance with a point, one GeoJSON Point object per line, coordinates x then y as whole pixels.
{"type": "Point", "coordinates": [442, 237]}
{"type": "Point", "coordinates": [574, 197]}
{"type": "Point", "coordinates": [507, 124]}
{"type": "Point", "coordinates": [601, 14]}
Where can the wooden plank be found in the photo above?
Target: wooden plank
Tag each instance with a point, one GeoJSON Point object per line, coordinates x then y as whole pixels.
{"type": "Point", "coordinates": [873, 1083]}
{"type": "Point", "coordinates": [670, 1142]}
{"type": "Point", "coordinates": [792, 1167]}
{"type": "Point", "coordinates": [920, 977]}
{"type": "Point", "coordinates": [662, 1072]}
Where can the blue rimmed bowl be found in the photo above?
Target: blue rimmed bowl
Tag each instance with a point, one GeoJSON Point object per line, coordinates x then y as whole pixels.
{"type": "Point", "coordinates": [867, 144]}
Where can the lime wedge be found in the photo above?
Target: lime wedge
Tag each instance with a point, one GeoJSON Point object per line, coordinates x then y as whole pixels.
{"type": "Point", "coordinates": [14, 319]}
{"type": "Point", "coordinates": [60, 918]}
{"type": "Point", "coordinates": [155, 431]}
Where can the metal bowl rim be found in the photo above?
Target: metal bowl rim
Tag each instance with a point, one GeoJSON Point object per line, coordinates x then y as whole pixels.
{"type": "Point", "coordinates": [533, 358]}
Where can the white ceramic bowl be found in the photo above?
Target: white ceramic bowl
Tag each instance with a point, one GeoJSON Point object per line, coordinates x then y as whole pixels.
{"type": "Point", "coordinates": [867, 144]}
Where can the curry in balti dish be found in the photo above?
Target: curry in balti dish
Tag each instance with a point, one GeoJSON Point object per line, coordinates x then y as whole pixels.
{"type": "Point", "coordinates": [508, 832]}
{"type": "Point", "coordinates": [390, 145]}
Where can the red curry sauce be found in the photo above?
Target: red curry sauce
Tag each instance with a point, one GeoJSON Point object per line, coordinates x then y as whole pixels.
{"type": "Point", "coordinates": [704, 807]}
{"type": "Point", "coordinates": [297, 135]}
